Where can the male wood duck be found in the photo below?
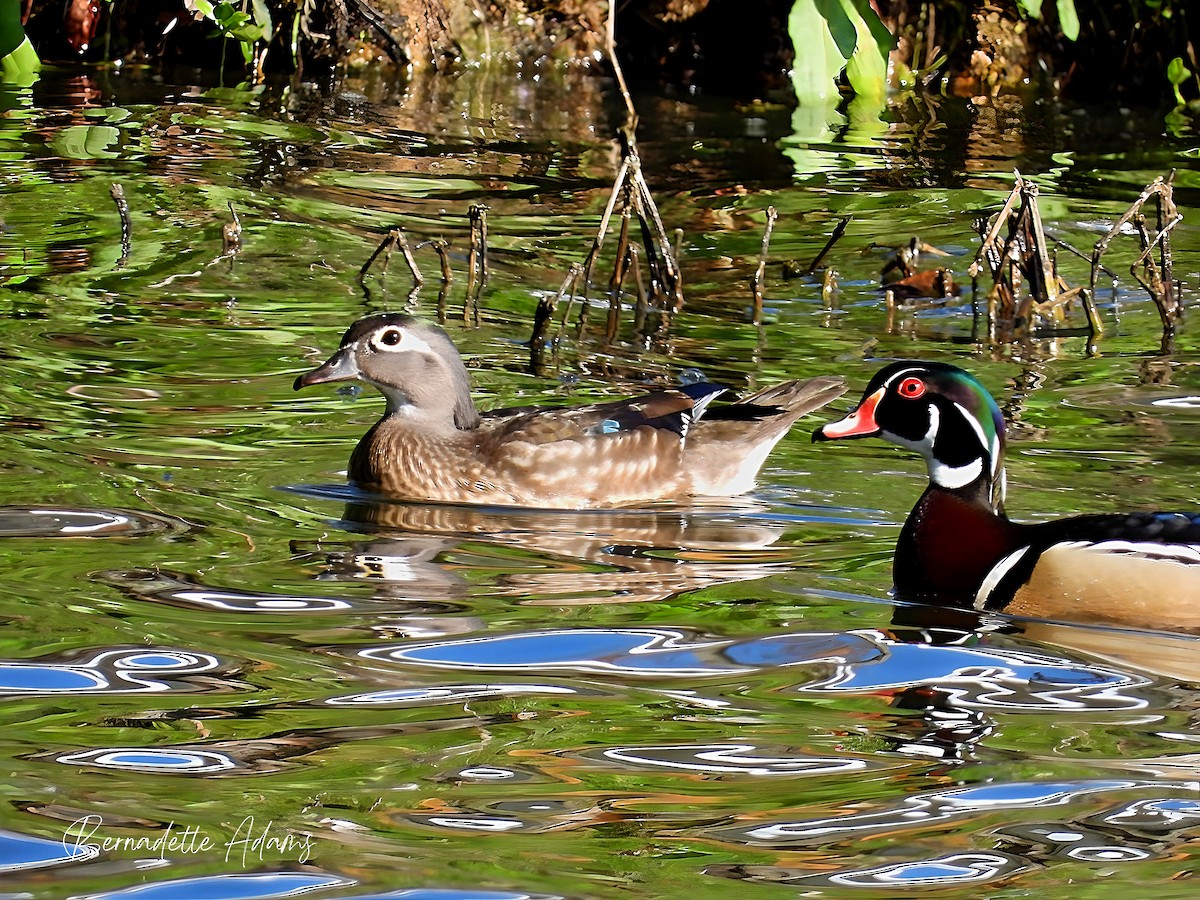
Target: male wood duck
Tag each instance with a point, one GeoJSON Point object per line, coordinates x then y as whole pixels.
{"type": "Point", "coordinates": [959, 548]}
{"type": "Point", "coordinates": [432, 444]}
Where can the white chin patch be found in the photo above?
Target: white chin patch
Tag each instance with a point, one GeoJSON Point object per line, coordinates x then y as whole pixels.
{"type": "Point", "coordinates": [939, 473]}
{"type": "Point", "coordinates": [397, 400]}
{"type": "Point", "coordinates": [955, 477]}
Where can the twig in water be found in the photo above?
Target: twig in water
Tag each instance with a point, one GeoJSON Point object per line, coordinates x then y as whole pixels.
{"type": "Point", "coordinates": [618, 278]}
{"type": "Point", "coordinates": [231, 234]}
{"type": "Point", "coordinates": [1156, 278]}
{"type": "Point", "coordinates": [642, 308]}
{"type": "Point", "coordinates": [838, 231]}
{"type": "Point", "coordinates": [757, 284]}
{"type": "Point", "coordinates": [543, 316]}
{"type": "Point", "coordinates": [118, 195]}
{"type": "Point", "coordinates": [1066, 245]}
{"type": "Point", "coordinates": [441, 248]}
{"type": "Point", "coordinates": [477, 265]}
{"type": "Point", "coordinates": [666, 280]}
{"type": "Point", "coordinates": [618, 185]}
{"type": "Point", "coordinates": [394, 238]}
{"type": "Point", "coordinates": [610, 45]}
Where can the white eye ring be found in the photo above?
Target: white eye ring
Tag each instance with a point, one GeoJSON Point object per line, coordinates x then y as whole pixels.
{"type": "Point", "coordinates": [389, 339]}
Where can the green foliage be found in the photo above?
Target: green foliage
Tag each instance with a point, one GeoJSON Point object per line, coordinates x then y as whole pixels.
{"type": "Point", "coordinates": [18, 60]}
{"type": "Point", "coordinates": [832, 35]}
{"type": "Point", "coordinates": [249, 29]}
{"type": "Point", "coordinates": [1068, 17]}
{"type": "Point", "coordinates": [1177, 74]}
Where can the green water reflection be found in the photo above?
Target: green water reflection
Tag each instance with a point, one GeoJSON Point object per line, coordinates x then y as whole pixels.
{"type": "Point", "coordinates": [243, 661]}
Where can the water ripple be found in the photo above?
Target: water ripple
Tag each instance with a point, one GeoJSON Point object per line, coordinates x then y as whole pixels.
{"type": "Point", "coordinates": [724, 759]}
{"type": "Point", "coordinates": [925, 810]}
{"type": "Point", "coordinates": [158, 586]}
{"type": "Point", "coordinates": [61, 521]}
{"type": "Point", "coordinates": [241, 886]}
{"type": "Point", "coordinates": [863, 662]}
{"type": "Point", "coordinates": [21, 851]}
{"type": "Point", "coordinates": [109, 671]}
{"type": "Point", "coordinates": [452, 693]}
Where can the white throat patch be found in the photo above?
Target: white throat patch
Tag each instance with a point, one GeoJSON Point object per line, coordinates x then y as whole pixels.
{"type": "Point", "coordinates": [942, 475]}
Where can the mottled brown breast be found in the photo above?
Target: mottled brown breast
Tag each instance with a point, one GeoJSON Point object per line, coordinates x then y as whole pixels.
{"type": "Point", "coordinates": [542, 461]}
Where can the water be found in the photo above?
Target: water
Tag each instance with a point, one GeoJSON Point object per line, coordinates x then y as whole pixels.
{"type": "Point", "coordinates": [227, 675]}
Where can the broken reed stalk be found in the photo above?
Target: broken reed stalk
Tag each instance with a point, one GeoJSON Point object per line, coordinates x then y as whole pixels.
{"type": "Point", "coordinates": [642, 308]}
{"type": "Point", "coordinates": [989, 254]}
{"type": "Point", "coordinates": [619, 183]}
{"type": "Point", "coordinates": [666, 281]}
{"type": "Point", "coordinates": [406, 252]}
{"type": "Point", "coordinates": [118, 195]}
{"type": "Point", "coordinates": [544, 315]}
{"type": "Point", "coordinates": [393, 239]}
{"type": "Point", "coordinates": [1155, 277]}
{"type": "Point", "coordinates": [1025, 283]}
{"type": "Point", "coordinates": [838, 231]}
{"type": "Point", "coordinates": [757, 283]}
{"type": "Point", "coordinates": [1045, 285]}
{"type": "Point", "coordinates": [231, 234]}
{"type": "Point", "coordinates": [477, 263]}
{"type": "Point", "coordinates": [441, 248]}
{"type": "Point", "coordinates": [617, 281]}
{"type": "Point", "coordinates": [610, 46]}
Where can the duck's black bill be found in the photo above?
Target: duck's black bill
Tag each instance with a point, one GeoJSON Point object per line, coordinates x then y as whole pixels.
{"type": "Point", "coordinates": [339, 367]}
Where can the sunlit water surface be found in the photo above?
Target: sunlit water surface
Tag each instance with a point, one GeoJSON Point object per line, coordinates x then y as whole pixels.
{"type": "Point", "coordinates": [227, 676]}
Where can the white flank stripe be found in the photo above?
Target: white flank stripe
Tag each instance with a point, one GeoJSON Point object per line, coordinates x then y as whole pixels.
{"type": "Point", "coordinates": [996, 575]}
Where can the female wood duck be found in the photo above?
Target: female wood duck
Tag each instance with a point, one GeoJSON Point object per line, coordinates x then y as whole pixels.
{"type": "Point", "coordinates": [958, 547]}
{"type": "Point", "coordinates": [432, 444]}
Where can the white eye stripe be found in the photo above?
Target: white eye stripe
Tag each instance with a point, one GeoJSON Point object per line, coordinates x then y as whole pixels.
{"type": "Point", "coordinates": [984, 444]}
{"type": "Point", "coordinates": [409, 342]}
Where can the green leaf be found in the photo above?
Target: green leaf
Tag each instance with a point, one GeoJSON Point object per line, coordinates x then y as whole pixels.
{"type": "Point", "coordinates": [86, 142]}
{"type": "Point", "coordinates": [1068, 19]}
{"type": "Point", "coordinates": [829, 35]}
{"type": "Point", "coordinates": [866, 70]}
{"type": "Point", "coordinates": [819, 61]}
{"type": "Point", "coordinates": [1177, 71]}
{"type": "Point", "coordinates": [1177, 74]}
{"type": "Point", "coordinates": [21, 66]}
{"type": "Point", "coordinates": [262, 15]}
{"type": "Point", "coordinates": [1031, 8]}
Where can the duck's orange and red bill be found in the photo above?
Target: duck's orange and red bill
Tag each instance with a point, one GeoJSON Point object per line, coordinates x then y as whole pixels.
{"type": "Point", "coordinates": [860, 423]}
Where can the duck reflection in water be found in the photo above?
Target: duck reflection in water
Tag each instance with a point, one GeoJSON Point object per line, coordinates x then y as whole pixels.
{"type": "Point", "coordinates": [554, 558]}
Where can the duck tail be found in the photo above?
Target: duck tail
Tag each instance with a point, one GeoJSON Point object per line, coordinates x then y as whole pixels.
{"type": "Point", "coordinates": [794, 398]}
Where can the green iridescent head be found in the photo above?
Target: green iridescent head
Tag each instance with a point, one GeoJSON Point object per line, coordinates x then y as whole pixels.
{"type": "Point", "coordinates": [941, 412]}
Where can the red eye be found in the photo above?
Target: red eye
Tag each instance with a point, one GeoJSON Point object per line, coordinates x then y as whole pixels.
{"type": "Point", "coordinates": [912, 388]}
